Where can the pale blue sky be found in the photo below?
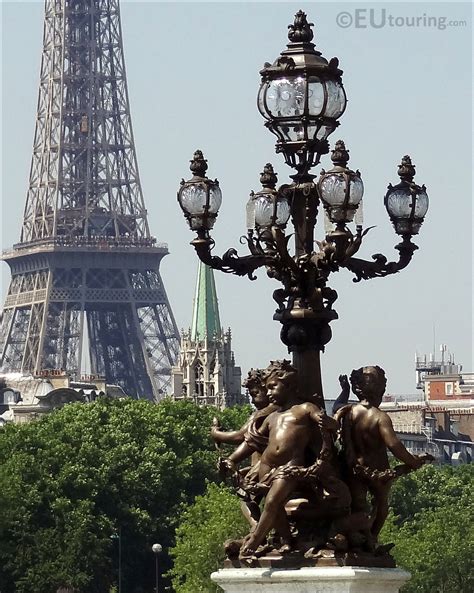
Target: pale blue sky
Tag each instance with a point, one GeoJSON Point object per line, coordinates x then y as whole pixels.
{"type": "Point", "coordinates": [193, 79]}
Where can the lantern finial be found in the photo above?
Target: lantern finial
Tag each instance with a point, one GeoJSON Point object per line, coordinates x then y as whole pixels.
{"type": "Point", "coordinates": [406, 170]}
{"type": "Point", "coordinates": [300, 31]}
{"type": "Point", "coordinates": [268, 177]}
{"type": "Point", "coordinates": [340, 155]}
{"type": "Point", "coordinates": [198, 165]}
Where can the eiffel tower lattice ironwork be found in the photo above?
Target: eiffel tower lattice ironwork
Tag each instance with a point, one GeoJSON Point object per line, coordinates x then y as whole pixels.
{"type": "Point", "coordinates": [85, 274]}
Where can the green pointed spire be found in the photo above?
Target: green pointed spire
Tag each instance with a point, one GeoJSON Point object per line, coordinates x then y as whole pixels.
{"type": "Point", "coordinates": [206, 321]}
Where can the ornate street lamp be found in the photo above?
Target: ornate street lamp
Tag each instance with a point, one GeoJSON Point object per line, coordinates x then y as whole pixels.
{"type": "Point", "coordinates": [341, 192]}
{"type": "Point", "coordinates": [341, 189]}
{"type": "Point", "coordinates": [267, 208]}
{"type": "Point", "coordinates": [406, 202]}
{"type": "Point", "coordinates": [301, 97]}
{"type": "Point", "coordinates": [200, 198]}
{"type": "Point", "coordinates": [157, 549]}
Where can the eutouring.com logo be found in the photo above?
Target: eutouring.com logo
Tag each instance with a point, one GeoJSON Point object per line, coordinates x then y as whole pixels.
{"type": "Point", "coordinates": [378, 18]}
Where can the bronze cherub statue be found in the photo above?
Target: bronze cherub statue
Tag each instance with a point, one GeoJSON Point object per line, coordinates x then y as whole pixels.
{"type": "Point", "coordinates": [314, 473]}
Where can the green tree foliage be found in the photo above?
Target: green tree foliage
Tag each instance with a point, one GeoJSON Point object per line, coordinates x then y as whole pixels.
{"type": "Point", "coordinates": [73, 479]}
{"type": "Point", "coordinates": [431, 487]}
{"type": "Point", "coordinates": [203, 528]}
{"type": "Point", "coordinates": [432, 525]}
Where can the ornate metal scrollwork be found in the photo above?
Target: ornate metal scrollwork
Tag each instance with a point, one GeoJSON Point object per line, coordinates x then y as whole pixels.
{"type": "Point", "coordinates": [380, 267]}
{"type": "Point", "coordinates": [230, 262]}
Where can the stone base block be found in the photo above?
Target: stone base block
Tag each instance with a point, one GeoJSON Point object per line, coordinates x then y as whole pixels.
{"type": "Point", "coordinates": [333, 579]}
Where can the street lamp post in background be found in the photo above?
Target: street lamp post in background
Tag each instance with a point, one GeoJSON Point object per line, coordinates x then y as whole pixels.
{"type": "Point", "coordinates": [157, 549]}
{"type": "Point", "coordinates": [118, 536]}
{"type": "Point", "coordinates": [301, 97]}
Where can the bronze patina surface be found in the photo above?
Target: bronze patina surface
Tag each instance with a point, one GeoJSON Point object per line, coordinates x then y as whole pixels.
{"type": "Point", "coordinates": [316, 491]}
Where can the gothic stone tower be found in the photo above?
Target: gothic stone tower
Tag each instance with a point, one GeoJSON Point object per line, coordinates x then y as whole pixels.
{"type": "Point", "coordinates": [85, 274]}
{"type": "Point", "coordinates": [206, 372]}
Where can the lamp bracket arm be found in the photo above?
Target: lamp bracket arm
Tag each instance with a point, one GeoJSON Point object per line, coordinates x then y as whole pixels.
{"type": "Point", "coordinates": [356, 242]}
{"type": "Point", "coordinates": [230, 262]}
{"type": "Point", "coordinates": [380, 267]}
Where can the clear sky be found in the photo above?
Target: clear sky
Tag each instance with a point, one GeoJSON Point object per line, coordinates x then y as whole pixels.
{"type": "Point", "coordinates": [193, 75]}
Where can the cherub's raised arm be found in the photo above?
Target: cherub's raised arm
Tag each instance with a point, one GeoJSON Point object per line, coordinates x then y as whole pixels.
{"type": "Point", "coordinates": [343, 397]}
{"type": "Point", "coordinates": [231, 437]}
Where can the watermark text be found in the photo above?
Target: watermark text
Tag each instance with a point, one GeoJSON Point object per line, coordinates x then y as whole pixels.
{"type": "Point", "coordinates": [378, 18]}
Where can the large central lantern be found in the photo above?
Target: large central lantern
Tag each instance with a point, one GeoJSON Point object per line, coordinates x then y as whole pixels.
{"type": "Point", "coordinates": [301, 97]}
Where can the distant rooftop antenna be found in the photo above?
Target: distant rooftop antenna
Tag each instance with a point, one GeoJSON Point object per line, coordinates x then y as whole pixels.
{"type": "Point", "coordinates": [443, 348]}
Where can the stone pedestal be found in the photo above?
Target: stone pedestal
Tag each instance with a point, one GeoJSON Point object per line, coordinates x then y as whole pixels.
{"type": "Point", "coordinates": [331, 579]}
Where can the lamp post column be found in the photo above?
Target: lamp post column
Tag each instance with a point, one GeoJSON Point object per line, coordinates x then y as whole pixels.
{"type": "Point", "coordinates": [304, 330]}
{"type": "Point", "coordinates": [157, 549]}
{"type": "Point", "coordinates": [118, 536]}
{"type": "Point", "coordinates": [308, 365]}
{"type": "Point", "coordinates": [120, 561]}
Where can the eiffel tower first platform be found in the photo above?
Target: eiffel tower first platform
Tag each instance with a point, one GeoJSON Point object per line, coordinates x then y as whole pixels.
{"type": "Point", "coordinates": [85, 280]}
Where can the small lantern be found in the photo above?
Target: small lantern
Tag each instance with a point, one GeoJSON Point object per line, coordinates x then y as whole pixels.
{"type": "Point", "coordinates": [267, 208]}
{"type": "Point", "coordinates": [301, 97]}
{"type": "Point", "coordinates": [406, 202]}
{"type": "Point", "coordinates": [200, 198]}
{"type": "Point", "coordinates": [340, 189]}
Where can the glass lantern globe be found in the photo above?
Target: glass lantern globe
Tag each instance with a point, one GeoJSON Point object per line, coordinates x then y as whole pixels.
{"type": "Point", "coordinates": [301, 97]}
{"type": "Point", "coordinates": [406, 202]}
{"type": "Point", "coordinates": [340, 189]}
{"type": "Point", "coordinates": [200, 198]}
{"type": "Point", "coordinates": [267, 208]}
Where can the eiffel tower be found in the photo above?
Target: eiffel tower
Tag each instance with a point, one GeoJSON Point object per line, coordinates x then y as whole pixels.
{"type": "Point", "coordinates": [85, 280]}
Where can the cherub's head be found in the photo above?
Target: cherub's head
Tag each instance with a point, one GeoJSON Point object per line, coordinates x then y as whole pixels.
{"type": "Point", "coordinates": [256, 386]}
{"type": "Point", "coordinates": [281, 381]}
{"type": "Point", "coordinates": [369, 383]}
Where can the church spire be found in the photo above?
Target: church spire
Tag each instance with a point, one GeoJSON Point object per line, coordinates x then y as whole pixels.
{"type": "Point", "coordinates": [206, 321]}
{"type": "Point", "coordinates": [206, 372]}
